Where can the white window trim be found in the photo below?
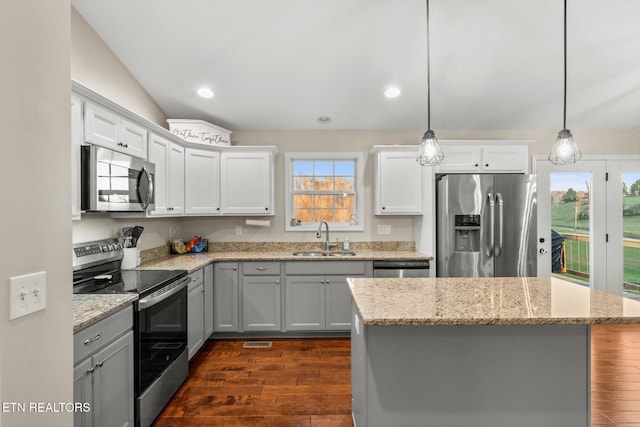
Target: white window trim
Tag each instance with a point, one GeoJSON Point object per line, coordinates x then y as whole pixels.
{"type": "Point", "coordinates": [313, 226]}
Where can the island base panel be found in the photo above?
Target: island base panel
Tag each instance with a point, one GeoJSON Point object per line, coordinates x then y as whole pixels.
{"type": "Point", "coordinates": [534, 375]}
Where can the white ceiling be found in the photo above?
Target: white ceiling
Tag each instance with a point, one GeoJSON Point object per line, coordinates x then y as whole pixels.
{"type": "Point", "coordinates": [280, 64]}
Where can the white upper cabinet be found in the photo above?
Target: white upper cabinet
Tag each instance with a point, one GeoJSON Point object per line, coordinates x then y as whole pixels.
{"type": "Point", "coordinates": [202, 182]}
{"type": "Point", "coordinates": [485, 157]}
{"type": "Point", "coordinates": [246, 183]}
{"type": "Point", "coordinates": [76, 142]}
{"type": "Point", "coordinates": [169, 178]}
{"type": "Point", "coordinates": [398, 181]}
{"type": "Point", "coordinates": [108, 129]}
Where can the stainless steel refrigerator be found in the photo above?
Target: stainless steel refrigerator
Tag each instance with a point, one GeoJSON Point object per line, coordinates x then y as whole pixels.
{"type": "Point", "coordinates": [486, 225]}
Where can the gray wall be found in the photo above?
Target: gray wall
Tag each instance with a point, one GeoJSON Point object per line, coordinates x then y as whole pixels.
{"type": "Point", "coordinates": [36, 351]}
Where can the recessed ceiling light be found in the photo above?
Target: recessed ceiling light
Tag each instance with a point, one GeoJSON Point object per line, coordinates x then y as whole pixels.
{"type": "Point", "coordinates": [392, 92]}
{"type": "Point", "coordinates": [324, 119]}
{"type": "Point", "coordinates": [205, 92]}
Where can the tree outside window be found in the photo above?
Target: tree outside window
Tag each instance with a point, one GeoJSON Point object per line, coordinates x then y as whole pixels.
{"type": "Point", "coordinates": [324, 187]}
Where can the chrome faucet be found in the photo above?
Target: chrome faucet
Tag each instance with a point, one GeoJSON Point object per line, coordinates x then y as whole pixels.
{"type": "Point", "coordinates": [327, 244]}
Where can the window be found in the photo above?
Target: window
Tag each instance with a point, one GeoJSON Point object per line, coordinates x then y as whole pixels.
{"type": "Point", "coordinates": [324, 187]}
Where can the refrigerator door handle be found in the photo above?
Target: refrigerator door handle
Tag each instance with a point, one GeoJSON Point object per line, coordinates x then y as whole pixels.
{"type": "Point", "coordinates": [492, 224]}
{"type": "Point", "coordinates": [498, 251]}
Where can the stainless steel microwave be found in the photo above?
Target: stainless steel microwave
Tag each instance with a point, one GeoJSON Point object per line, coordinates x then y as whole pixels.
{"type": "Point", "coordinates": [115, 182]}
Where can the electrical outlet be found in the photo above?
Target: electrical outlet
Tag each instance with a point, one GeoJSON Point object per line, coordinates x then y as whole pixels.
{"type": "Point", "coordinates": [384, 229]}
{"type": "Point", "coordinates": [172, 231]}
{"type": "Point", "coordinates": [27, 294]}
{"type": "Point", "coordinates": [238, 230]}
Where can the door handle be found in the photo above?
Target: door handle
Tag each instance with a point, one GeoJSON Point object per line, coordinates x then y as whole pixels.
{"type": "Point", "coordinates": [146, 203]}
{"type": "Point", "coordinates": [498, 251]}
{"type": "Point", "coordinates": [492, 224]}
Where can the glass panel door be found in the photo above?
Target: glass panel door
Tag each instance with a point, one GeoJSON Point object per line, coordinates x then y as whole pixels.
{"type": "Point", "coordinates": [623, 258]}
{"type": "Point", "coordinates": [572, 221]}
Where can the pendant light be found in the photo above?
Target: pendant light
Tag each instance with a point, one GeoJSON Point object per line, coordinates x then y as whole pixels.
{"type": "Point", "coordinates": [430, 153]}
{"type": "Point", "coordinates": [565, 151]}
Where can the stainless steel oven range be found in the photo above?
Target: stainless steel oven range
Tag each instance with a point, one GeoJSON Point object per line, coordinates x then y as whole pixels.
{"type": "Point", "coordinates": [160, 323]}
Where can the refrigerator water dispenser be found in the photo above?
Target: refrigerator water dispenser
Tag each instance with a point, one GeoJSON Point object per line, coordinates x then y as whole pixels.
{"type": "Point", "coordinates": [467, 233]}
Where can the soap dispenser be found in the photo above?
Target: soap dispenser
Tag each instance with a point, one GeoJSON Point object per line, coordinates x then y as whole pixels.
{"type": "Point", "coordinates": [346, 244]}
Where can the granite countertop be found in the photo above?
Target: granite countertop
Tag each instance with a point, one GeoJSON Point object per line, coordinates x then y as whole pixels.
{"type": "Point", "coordinates": [487, 301]}
{"type": "Point", "coordinates": [192, 262]}
{"type": "Point", "coordinates": [89, 308]}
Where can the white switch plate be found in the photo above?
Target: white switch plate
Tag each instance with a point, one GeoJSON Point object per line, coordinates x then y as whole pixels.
{"type": "Point", "coordinates": [27, 294]}
{"type": "Point", "coordinates": [384, 229]}
{"type": "Point", "coordinates": [238, 230]}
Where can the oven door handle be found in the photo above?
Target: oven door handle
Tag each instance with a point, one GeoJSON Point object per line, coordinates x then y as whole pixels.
{"type": "Point", "coordinates": [152, 299]}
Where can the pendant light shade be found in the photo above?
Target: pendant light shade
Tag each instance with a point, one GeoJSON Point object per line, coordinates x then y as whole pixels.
{"type": "Point", "coordinates": [565, 151]}
{"type": "Point", "coordinates": [430, 152]}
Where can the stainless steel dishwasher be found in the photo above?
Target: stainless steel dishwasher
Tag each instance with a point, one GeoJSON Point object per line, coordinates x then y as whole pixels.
{"type": "Point", "coordinates": [401, 268]}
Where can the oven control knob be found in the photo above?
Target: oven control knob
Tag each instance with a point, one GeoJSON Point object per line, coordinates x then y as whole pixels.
{"type": "Point", "coordinates": [111, 247]}
{"type": "Point", "coordinates": [104, 248]}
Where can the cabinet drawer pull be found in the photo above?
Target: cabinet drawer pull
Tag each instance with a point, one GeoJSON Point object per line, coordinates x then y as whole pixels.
{"type": "Point", "coordinates": [99, 365]}
{"type": "Point", "coordinates": [89, 341]}
{"type": "Point", "coordinates": [261, 268]}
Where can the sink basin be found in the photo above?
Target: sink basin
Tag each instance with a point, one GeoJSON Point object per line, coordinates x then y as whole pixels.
{"type": "Point", "coordinates": [317, 254]}
{"type": "Point", "coordinates": [341, 253]}
{"type": "Point", "coordinates": [309, 254]}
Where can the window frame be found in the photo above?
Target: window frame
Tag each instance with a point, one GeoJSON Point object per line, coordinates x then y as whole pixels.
{"type": "Point", "coordinates": [290, 157]}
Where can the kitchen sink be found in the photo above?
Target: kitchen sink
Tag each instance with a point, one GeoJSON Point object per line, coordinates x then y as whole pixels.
{"type": "Point", "coordinates": [341, 254]}
{"type": "Point", "coordinates": [318, 254]}
{"type": "Point", "coordinates": [309, 254]}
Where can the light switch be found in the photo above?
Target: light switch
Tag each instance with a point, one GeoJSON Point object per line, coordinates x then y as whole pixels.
{"type": "Point", "coordinates": [27, 294]}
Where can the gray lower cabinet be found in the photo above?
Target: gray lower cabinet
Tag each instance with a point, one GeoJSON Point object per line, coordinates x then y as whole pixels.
{"type": "Point", "coordinates": [195, 312]}
{"type": "Point", "coordinates": [103, 372]}
{"type": "Point", "coordinates": [338, 303]}
{"type": "Point", "coordinates": [305, 303]}
{"type": "Point", "coordinates": [208, 301]}
{"type": "Point", "coordinates": [225, 297]}
{"type": "Point", "coordinates": [256, 296]}
{"type": "Point", "coordinates": [316, 300]}
{"type": "Point", "coordinates": [261, 296]}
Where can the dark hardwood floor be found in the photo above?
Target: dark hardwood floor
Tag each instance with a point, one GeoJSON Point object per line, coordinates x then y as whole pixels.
{"type": "Point", "coordinates": [301, 383]}
{"type": "Point", "coordinates": [306, 383]}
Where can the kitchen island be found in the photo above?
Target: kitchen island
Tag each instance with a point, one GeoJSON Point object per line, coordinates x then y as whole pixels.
{"type": "Point", "coordinates": [476, 351]}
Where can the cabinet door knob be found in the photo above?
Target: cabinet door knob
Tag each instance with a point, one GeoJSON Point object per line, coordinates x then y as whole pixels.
{"type": "Point", "coordinates": [476, 165]}
{"type": "Point", "coordinates": [486, 165]}
{"type": "Point", "coordinates": [266, 209]}
{"type": "Point", "coordinates": [384, 207]}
